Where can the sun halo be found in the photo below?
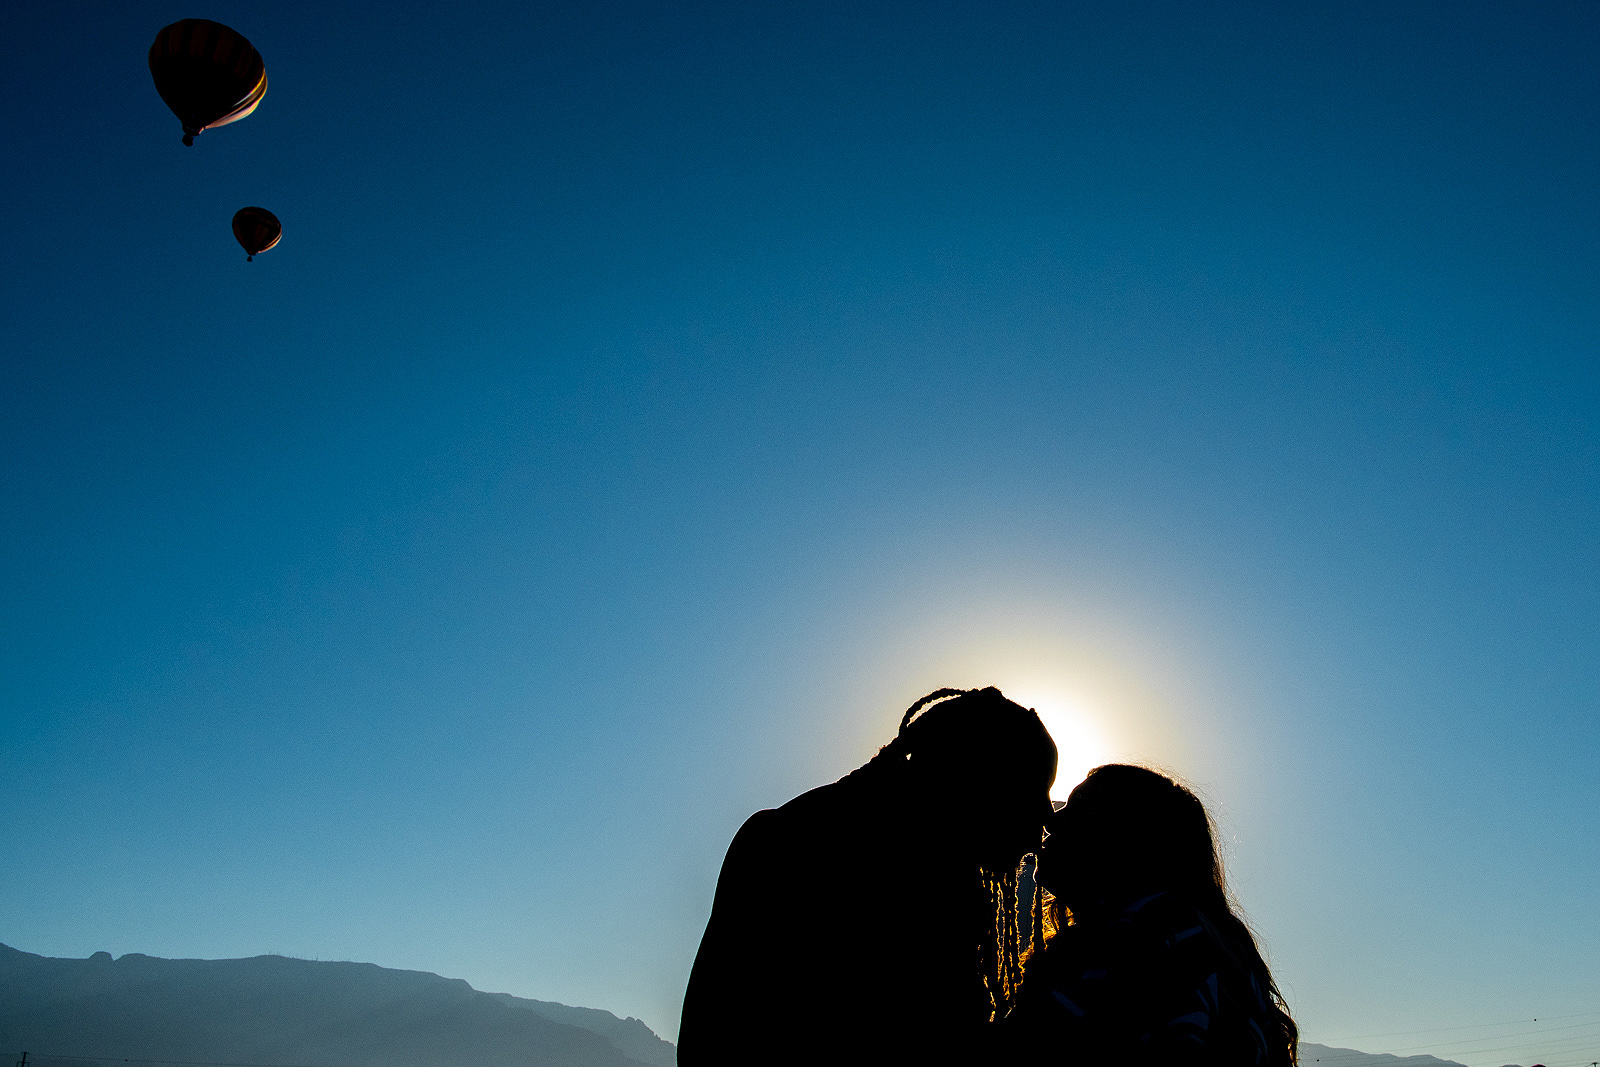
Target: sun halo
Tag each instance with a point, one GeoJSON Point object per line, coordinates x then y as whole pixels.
{"type": "Point", "coordinates": [1081, 742]}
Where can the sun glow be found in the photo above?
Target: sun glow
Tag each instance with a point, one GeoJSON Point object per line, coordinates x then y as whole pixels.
{"type": "Point", "coordinates": [1080, 740]}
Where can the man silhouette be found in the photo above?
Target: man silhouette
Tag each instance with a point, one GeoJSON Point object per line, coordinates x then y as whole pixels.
{"type": "Point", "coordinates": [873, 920]}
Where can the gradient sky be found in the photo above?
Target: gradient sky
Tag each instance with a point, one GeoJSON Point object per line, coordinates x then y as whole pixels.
{"type": "Point", "coordinates": [648, 401]}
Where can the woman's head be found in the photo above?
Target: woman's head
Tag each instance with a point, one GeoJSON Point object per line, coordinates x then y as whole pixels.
{"type": "Point", "coordinates": [1127, 831]}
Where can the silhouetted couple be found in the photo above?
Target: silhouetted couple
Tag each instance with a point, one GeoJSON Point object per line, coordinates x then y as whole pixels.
{"type": "Point", "coordinates": [877, 920]}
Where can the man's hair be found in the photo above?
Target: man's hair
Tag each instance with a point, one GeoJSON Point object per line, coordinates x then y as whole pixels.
{"type": "Point", "coordinates": [1006, 740]}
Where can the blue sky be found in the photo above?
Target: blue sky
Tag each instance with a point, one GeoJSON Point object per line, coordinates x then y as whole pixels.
{"type": "Point", "coordinates": [647, 402]}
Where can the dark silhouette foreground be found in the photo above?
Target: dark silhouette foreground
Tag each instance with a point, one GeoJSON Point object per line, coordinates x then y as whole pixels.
{"type": "Point", "coordinates": [874, 920]}
{"type": "Point", "coordinates": [1155, 968]}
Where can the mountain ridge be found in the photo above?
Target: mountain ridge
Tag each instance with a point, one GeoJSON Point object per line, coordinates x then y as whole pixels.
{"type": "Point", "coordinates": [1315, 1055]}
{"type": "Point", "coordinates": [278, 1010]}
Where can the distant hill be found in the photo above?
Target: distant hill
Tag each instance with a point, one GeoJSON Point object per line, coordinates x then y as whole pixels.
{"type": "Point", "coordinates": [1312, 1055]}
{"type": "Point", "coordinates": [280, 1011]}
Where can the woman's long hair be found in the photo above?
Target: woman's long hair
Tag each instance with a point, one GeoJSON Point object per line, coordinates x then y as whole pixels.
{"type": "Point", "coordinates": [1146, 832]}
{"type": "Point", "coordinates": [1003, 740]}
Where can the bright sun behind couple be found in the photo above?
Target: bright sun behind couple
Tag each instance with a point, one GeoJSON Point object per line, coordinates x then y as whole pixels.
{"type": "Point", "coordinates": [1077, 731]}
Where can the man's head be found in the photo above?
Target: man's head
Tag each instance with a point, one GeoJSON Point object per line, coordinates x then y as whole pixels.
{"type": "Point", "coordinates": [981, 766]}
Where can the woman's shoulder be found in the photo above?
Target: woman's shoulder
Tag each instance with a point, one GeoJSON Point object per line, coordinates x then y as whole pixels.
{"type": "Point", "coordinates": [1168, 923]}
{"type": "Point", "coordinates": [1155, 910]}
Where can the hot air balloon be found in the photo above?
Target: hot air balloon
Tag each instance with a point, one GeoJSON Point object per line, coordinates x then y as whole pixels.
{"type": "Point", "coordinates": [256, 229]}
{"type": "Point", "coordinates": [208, 74]}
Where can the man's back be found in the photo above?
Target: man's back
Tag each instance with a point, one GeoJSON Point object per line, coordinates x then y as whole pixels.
{"type": "Point", "coordinates": [834, 938]}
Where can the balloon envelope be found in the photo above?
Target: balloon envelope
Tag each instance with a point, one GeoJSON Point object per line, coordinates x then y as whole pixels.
{"type": "Point", "coordinates": [256, 229]}
{"type": "Point", "coordinates": [208, 74]}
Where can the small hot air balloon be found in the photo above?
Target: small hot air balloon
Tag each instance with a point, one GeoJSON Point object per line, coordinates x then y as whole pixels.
{"type": "Point", "coordinates": [256, 229]}
{"type": "Point", "coordinates": [208, 74]}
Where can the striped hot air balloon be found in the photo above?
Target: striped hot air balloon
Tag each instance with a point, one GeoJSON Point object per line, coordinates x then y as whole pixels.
{"type": "Point", "coordinates": [208, 74]}
{"type": "Point", "coordinates": [256, 229]}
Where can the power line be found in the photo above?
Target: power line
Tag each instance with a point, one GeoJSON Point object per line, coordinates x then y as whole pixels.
{"type": "Point", "coordinates": [1472, 1026]}
{"type": "Point", "coordinates": [1494, 1037]}
{"type": "Point", "coordinates": [1583, 1045]}
{"type": "Point", "coordinates": [1547, 1052]}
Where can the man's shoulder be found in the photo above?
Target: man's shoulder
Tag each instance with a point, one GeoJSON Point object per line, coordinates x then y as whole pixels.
{"type": "Point", "coordinates": [830, 811]}
{"type": "Point", "coordinates": [823, 799]}
{"type": "Point", "coordinates": [823, 802]}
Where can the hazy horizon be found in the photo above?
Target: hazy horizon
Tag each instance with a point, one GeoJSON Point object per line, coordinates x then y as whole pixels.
{"type": "Point", "coordinates": [337, 1008]}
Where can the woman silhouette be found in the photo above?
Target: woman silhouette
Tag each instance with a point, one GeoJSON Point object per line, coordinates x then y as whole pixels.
{"type": "Point", "coordinates": [1155, 966]}
{"type": "Point", "coordinates": [874, 920]}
